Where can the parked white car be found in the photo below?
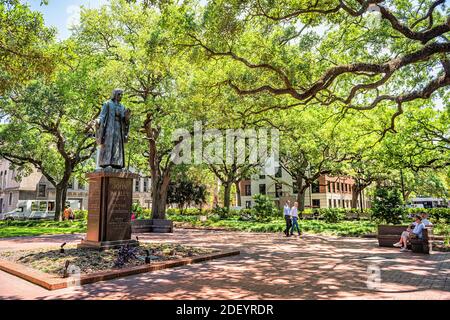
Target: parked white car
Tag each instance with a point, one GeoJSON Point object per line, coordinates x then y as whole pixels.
{"type": "Point", "coordinates": [32, 209]}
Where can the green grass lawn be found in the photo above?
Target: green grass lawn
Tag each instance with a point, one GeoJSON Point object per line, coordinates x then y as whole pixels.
{"type": "Point", "coordinates": [343, 228]}
{"type": "Point", "coordinates": [34, 228]}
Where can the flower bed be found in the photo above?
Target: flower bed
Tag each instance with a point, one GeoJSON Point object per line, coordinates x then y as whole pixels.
{"type": "Point", "coordinates": [51, 261]}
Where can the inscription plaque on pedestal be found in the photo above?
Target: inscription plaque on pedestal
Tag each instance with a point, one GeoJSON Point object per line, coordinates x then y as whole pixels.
{"type": "Point", "coordinates": [109, 210]}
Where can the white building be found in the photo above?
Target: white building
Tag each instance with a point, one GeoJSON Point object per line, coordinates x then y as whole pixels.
{"type": "Point", "coordinates": [326, 192]}
{"type": "Point", "coordinates": [36, 187]}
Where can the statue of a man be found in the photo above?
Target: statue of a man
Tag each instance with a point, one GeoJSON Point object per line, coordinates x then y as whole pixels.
{"type": "Point", "coordinates": [112, 132]}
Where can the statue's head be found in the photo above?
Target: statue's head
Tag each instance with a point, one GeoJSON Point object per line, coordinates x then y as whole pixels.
{"type": "Point", "coordinates": [117, 95]}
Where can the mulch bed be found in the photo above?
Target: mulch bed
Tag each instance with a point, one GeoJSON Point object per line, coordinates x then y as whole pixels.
{"type": "Point", "coordinates": [51, 261]}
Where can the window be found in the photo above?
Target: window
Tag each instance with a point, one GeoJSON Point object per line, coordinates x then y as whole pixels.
{"type": "Point", "coordinates": [70, 184]}
{"type": "Point", "coordinates": [334, 187]}
{"type": "Point", "coordinates": [146, 185]}
{"type": "Point", "coordinates": [278, 174]}
{"type": "Point", "coordinates": [278, 190]}
{"type": "Point", "coordinates": [315, 187]}
{"type": "Point", "coordinates": [262, 176]}
{"type": "Point", "coordinates": [51, 206]}
{"type": "Point", "coordinates": [262, 188]}
{"type": "Point", "coordinates": [316, 203]}
{"type": "Point", "coordinates": [34, 206]}
{"type": "Point", "coordinates": [329, 203]}
{"type": "Point", "coordinates": [248, 204]}
{"type": "Point", "coordinates": [43, 206]}
{"type": "Point", "coordinates": [345, 187]}
{"type": "Point", "coordinates": [334, 203]}
{"type": "Point", "coordinates": [329, 186]}
{"type": "Point", "coordinates": [136, 185]}
{"type": "Point", "coordinates": [339, 203]}
{"type": "Point", "coordinates": [10, 198]}
{"type": "Point", "coordinates": [342, 186]}
{"type": "Point", "coordinates": [337, 185]}
{"type": "Point", "coordinates": [42, 188]}
{"type": "Point", "coordinates": [248, 190]}
{"type": "Point", "coordinates": [80, 185]}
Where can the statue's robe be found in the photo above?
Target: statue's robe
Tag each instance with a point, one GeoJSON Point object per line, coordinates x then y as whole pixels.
{"type": "Point", "coordinates": [112, 134]}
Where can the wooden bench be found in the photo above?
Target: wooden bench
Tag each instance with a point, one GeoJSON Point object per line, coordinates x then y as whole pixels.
{"type": "Point", "coordinates": [388, 235]}
{"type": "Point", "coordinates": [423, 245]}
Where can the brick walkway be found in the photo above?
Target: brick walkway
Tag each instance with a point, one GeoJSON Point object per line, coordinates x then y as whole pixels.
{"type": "Point", "coordinates": [269, 267]}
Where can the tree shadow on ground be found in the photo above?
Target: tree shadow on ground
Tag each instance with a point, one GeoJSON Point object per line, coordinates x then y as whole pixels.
{"type": "Point", "coordinates": [273, 267]}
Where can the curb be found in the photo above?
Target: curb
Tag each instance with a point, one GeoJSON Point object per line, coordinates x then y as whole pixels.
{"type": "Point", "coordinates": [51, 282]}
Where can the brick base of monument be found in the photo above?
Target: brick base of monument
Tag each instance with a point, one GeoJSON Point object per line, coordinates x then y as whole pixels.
{"type": "Point", "coordinates": [109, 210]}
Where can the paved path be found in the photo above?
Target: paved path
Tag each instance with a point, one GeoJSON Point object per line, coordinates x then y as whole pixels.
{"type": "Point", "coordinates": [269, 267]}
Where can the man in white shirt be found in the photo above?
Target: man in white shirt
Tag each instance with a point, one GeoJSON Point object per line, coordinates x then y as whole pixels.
{"type": "Point", "coordinates": [294, 215]}
{"type": "Point", "coordinates": [425, 220]}
{"type": "Point", "coordinates": [287, 217]}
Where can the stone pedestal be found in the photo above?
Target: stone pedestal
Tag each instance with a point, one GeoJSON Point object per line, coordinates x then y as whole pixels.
{"type": "Point", "coordinates": [109, 210]}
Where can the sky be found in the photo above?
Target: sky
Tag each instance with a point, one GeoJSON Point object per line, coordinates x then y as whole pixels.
{"type": "Point", "coordinates": [62, 14]}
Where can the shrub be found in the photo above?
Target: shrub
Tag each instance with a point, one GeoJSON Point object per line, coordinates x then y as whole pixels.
{"type": "Point", "coordinates": [246, 215]}
{"type": "Point", "coordinates": [332, 215]}
{"type": "Point", "coordinates": [80, 214]}
{"type": "Point", "coordinates": [264, 208]}
{"type": "Point", "coordinates": [439, 214]}
{"type": "Point", "coordinates": [223, 213]}
{"type": "Point", "coordinates": [146, 214]}
{"type": "Point", "coordinates": [137, 210]}
{"type": "Point", "coordinates": [388, 206]}
{"type": "Point", "coordinates": [436, 214]}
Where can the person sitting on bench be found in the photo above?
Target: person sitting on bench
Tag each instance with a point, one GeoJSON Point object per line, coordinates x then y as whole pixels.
{"type": "Point", "coordinates": [414, 230]}
{"type": "Point", "coordinates": [425, 220]}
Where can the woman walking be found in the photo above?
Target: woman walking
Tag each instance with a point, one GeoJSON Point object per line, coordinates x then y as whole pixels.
{"type": "Point", "coordinates": [294, 215]}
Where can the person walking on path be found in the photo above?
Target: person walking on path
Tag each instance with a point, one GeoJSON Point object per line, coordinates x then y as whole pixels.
{"type": "Point", "coordinates": [66, 213]}
{"type": "Point", "coordinates": [294, 215]}
{"type": "Point", "coordinates": [287, 217]}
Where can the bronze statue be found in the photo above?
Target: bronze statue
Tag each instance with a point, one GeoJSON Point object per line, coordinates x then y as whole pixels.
{"type": "Point", "coordinates": [113, 127]}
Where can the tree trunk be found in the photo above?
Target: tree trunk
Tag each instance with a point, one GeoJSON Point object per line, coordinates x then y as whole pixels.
{"type": "Point", "coordinates": [159, 197]}
{"type": "Point", "coordinates": [238, 194]}
{"type": "Point", "coordinates": [60, 201]}
{"type": "Point", "coordinates": [355, 193]}
{"type": "Point", "coordinates": [407, 194]}
{"type": "Point", "coordinates": [227, 195]}
{"type": "Point", "coordinates": [64, 197]}
{"type": "Point", "coordinates": [301, 195]}
{"type": "Point", "coordinates": [301, 200]}
{"type": "Point", "coordinates": [158, 205]}
{"type": "Point", "coordinates": [58, 204]}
